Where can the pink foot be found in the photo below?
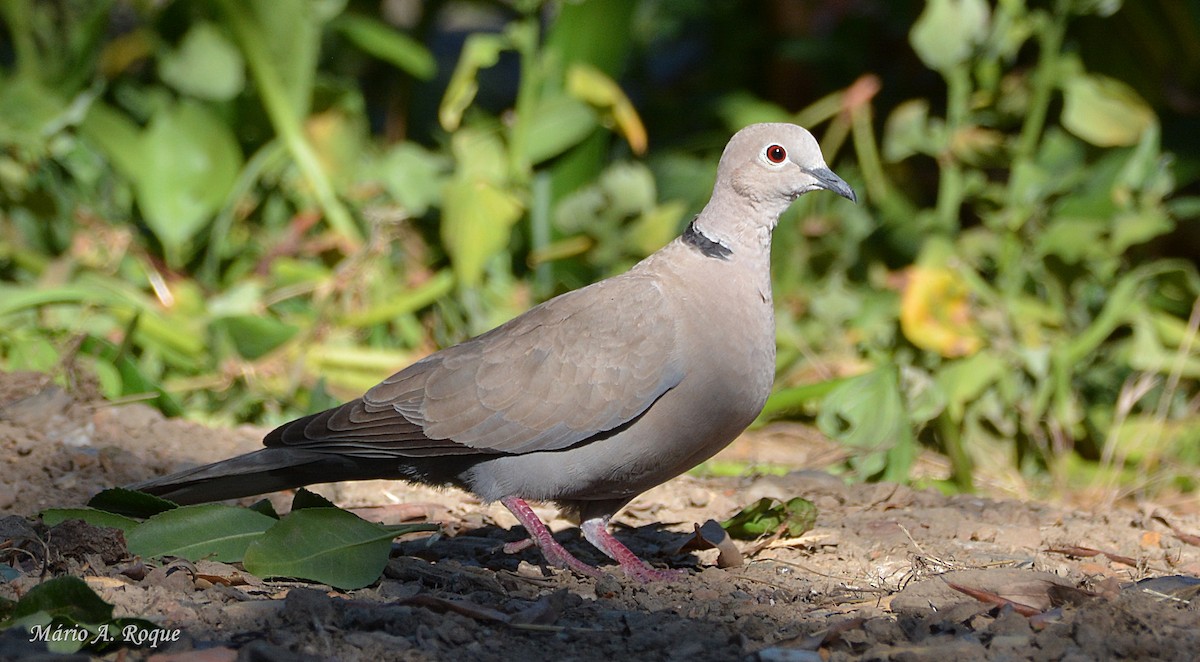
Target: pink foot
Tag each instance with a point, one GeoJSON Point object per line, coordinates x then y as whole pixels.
{"type": "Point", "coordinates": [596, 532]}
{"type": "Point", "coordinates": [554, 553]}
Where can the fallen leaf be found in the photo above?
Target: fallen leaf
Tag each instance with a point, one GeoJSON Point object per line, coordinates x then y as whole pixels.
{"type": "Point", "coordinates": [713, 536]}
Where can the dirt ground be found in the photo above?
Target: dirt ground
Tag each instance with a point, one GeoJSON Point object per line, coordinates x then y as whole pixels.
{"type": "Point", "coordinates": [876, 579]}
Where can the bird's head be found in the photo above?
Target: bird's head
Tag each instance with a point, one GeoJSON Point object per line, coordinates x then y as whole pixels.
{"type": "Point", "coordinates": [773, 164]}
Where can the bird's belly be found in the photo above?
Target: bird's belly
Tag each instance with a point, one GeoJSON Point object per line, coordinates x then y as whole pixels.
{"type": "Point", "coordinates": [686, 426]}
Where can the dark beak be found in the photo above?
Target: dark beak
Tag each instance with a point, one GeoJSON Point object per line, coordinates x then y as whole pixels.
{"type": "Point", "coordinates": [827, 180]}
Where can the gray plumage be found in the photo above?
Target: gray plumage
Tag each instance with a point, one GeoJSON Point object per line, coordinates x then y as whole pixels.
{"type": "Point", "coordinates": [586, 400]}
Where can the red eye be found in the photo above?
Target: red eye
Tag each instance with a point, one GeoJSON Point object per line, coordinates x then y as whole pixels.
{"type": "Point", "coordinates": [776, 154]}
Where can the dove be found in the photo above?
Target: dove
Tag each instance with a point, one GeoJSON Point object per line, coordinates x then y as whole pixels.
{"type": "Point", "coordinates": [586, 400]}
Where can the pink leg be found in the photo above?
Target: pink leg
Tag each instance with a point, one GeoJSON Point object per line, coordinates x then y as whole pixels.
{"type": "Point", "coordinates": [596, 532]}
{"type": "Point", "coordinates": [554, 553]}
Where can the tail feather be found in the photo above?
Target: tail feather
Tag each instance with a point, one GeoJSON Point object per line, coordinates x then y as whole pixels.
{"type": "Point", "coordinates": [259, 472]}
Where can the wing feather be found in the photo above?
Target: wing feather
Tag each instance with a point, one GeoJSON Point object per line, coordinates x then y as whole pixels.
{"type": "Point", "coordinates": [574, 367]}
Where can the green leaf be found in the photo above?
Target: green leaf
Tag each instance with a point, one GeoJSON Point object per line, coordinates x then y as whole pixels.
{"type": "Point", "coordinates": [1104, 111]}
{"type": "Point", "coordinates": [765, 517]}
{"type": "Point", "coordinates": [1138, 227]}
{"type": "Point", "coordinates": [326, 545]}
{"type": "Point", "coordinates": [480, 51]}
{"type": "Point", "coordinates": [207, 65]}
{"type": "Point", "coordinates": [64, 597]}
{"type": "Point", "coordinates": [867, 412]}
{"type": "Point", "coordinates": [306, 498]}
{"type": "Point", "coordinates": [207, 531]}
{"type": "Point", "coordinates": [947, 31]}
{"type": "Point", "coordinates": [52, 516]}
{"type": "Point", "coordinates": [907, 131]}
{"type": "Point", "coordinates": [130, 502]}
{"type": "Point", "coordinates": [1073, 239]}
{"type": "Point", "coordinates": [413, 176]}
{"type": "Point", "coordinates": [477, 220]}
{"type": "Point", "coordinates": [264, 507]}
{"type": "Point", "coordinates": [255, 336]}
{"type": "Point", "coordinates": [794, 399]}
{"type": "Point", "coordinates": [387, 44]}
{"type": "Point", "coordinates": [963, 381]}
{"type": "Point", "coordinates": [191, 163]}
{"type": "Point", "coordinates": [560, 122]}
{"type": "Point", "coordinates": [67, 605]}
{"type": "Point", "coordinates": [26, 109]}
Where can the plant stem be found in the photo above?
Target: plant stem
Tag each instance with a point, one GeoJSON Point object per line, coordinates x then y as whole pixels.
{"type": "Point", "coordinates": [524, 37]}
{"type": "Point", "coordinates": [540, 233]}
{"type": "Point", "coordinates": [950, 183]}
{"type": "Point", "coordinates": [20, 30]}
{"type": "Point", "coordinates": [287, 124]}
{"type": "Point", "coordinates": [1045, 78]}
{"type": "Point", "coordinates": [960, 462]}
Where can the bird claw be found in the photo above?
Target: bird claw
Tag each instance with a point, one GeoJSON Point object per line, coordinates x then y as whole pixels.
{"type": "Point", "coordinates": [645, 574]}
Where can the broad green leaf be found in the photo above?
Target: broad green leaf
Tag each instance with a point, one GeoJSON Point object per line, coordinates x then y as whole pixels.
{"type": "Point", "coordinates": [656, 227]}
{"type": "Point", "coordinates": [1138, 227]}
{"type": "Point", "coordinates": [413, 176]}
{"type": "Point", "coordinates": [963, 381]}
{"type": "Point", "coordinates": [867, 413]}
{"type": "Point", "coordinates": [326, 545]}
{"type": "Point", "coordinates": [477, 220]}
{"type": "Point", "coordinates": [907, 131]}
{"type": "Point", "coordinates": [587, 83]}
{"type": "Point", "coordinates": [207, 65]}
{"type": "Point", "coordinates": [479, 155]}
{"type": "Point", "coordinates": [191, 163]}
{"type": "Point", "coordinates": [26, 108]}
{"type": "Point", "coordinates": [923, 398]}
{"type": "Point", "coordinates": [387, 44]}
{"type": "Point", "coordinates": [306, 498]}
{"type": "Point", "coordinates": [264, 506]}
{"type": "Point", "coordinates": [117, 136]}
{"type": "Point", "coordinates": [208, 531]}
{"type": "Point", "coordinates": [947, 32]}
{"type": "Point", "coordinates": [560, 123]}
{"type": "Point", "coordinates": [1072, 239]}
{"type": "Point", "coordinates": [629, 189]}
{"type": "Point", "coordinates": [69, 604]}
{"type": "Point", "coordinates": [480, 51]}
{"type": "Point", "coordinates": [255, 336]}
{"type": "Point", "coordinates": [794, 399]}
{"type": "Point", "coordinates": [338, 137]}
{"type": "Point", "coordinates": [765, 517]}
{"type": "Point", "coordinates": [69, 597]}
{"type": "Point", "coordinates": [34, 353]}
{"type": "Point", "coordinates": [289, 33]}
{"type": "Point", "coordinates": [52, 516]}
{"type": "Point", "coordinates": [1104, 111]}
{"type": "Point", "coordinates": [130, 502]}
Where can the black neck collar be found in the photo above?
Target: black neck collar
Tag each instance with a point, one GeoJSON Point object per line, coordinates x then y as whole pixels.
{"type": "Point", "coordinates": [707, 247]}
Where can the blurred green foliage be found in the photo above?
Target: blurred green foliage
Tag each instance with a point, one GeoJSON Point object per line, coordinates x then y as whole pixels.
{"type": "Point", "coordinates": [249, 210]}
